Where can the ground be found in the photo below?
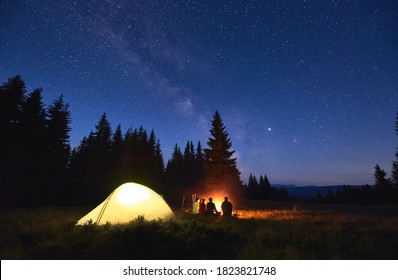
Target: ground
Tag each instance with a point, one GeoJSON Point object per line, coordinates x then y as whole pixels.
{"type": "Point", "coordinates": [259, 230]}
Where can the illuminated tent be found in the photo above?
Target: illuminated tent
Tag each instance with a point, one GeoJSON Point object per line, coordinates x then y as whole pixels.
{"type": "Point", "coordinates": [128, 202]}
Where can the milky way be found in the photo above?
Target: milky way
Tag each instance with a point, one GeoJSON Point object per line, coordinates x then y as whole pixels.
{"type": "Point", "coordinates": [308, 90]}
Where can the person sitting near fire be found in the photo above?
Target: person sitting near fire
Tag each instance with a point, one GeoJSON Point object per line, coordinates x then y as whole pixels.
{"type": "Point", "coordinates": [202, 206]}
{"type": "Point", "coordinates": [226, 207]}
{"type": "Point", "coordinates": [195, 206]}
{"type": "Point", "coordinates": [211, 207]}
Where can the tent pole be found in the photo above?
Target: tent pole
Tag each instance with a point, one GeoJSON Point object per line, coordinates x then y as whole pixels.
{"type": "Point", "coordinates": [103, 208]}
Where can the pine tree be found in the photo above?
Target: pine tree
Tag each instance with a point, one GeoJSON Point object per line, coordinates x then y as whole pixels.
{"type": "Point", "coordinates": [221, 173]}
{"type": "Point", "coordinates": [158, 169]}
{"type": "Point", "coordinates": [90, 170]}
{"type": "Point", "coordinates": [189, 164]}
{"type": "Point", "coordinates": [380, 177]}
{"type": "Point", "coordinates": [199, 156]}
{"type": "Point", "coordinates": [117, 144]}
{"type": "Point", "coordinates": [116, 157]}
{"type": "Point", "coordinates": [252, 187]}
{"type": "Point", "coordinates": [81, 173]}
{"type": "Point", "coordinates": [12, 96]}
{"type": "Point", "coordinates": [189, 153]}
{"type": "Point", "coordinates": [394, 170]}
{"type": "Point", "coordinates": [384, 190]}
{"type": "Point", "coordinates": [174, 174]}
{"type": "Point", "coordinates": [103, 136]}
{"type": "Point", "coordinates": [153, 175]}
{"type": "Point", "coordinates": [34, 156]}
{"type": "Point", "coordinates": [265, 187]}
{"type": "Point", "coordinates": [58, 128]}
{"type": "Point", "coordinates": [198, 172]}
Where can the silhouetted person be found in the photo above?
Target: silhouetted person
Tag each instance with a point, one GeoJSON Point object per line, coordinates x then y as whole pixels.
{"type": "Point", "coordinates": [226, 207]}
{"type": "Point", "coordinates": [211, 207]}
{"type": "Point", "coordinates": [195, 206]}
{"type": "Point", "coordinates": [202, 206]}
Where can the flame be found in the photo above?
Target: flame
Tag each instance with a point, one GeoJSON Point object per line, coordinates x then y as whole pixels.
{"type": "Point", "coordinates": [218, 199]}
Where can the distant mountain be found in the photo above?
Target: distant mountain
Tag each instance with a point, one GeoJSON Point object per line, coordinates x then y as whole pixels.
{"type": "Point", "coordinates": [311, 191]}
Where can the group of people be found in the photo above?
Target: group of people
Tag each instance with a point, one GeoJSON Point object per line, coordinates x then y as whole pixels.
{"type": "Point", "coordinates": [200, 207]}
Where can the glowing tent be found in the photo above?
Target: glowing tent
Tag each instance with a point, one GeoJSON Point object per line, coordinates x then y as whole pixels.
{"type": "Point", "coordinates": [128, 202]}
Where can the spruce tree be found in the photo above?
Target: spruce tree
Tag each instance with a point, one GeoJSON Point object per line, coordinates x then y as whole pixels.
{"type": "Point", "coordinates": [158, 169]}
{"type": "Point", "coordinates": [394, 169]}
{"type": "Point", "coordinates": [198, 165]}
{"type": "Point", "coordinates": [384, 190]}
{"type": "Point", "coordinates": [221, 173]}
{"type": "Point", "coordinates": [380, 177]}
{"type": "Point", "coordinates": [199, 156]}
{"type": "Point", "coordinates": [90, 169]}
{"type": "Point", "coordinates": [153, 175]}
{"type": "Point", "coordinates": [189, 164]}
{"type": "Point", "coordinates": [174, 174]}
{"type": "Point", "coordinates": [103, 136]}
{"type": "Point", "coordinates": [58, 128]}
{"type": "Point", "coordinates": [12, 95]}
{"type": "Point", "coordinates": [34, 156]}
{"type": "Point", "coordinates": [252, 187]}
{"type": "Point", "coordinates": [117, 144]}
{"type": "Point", "coordinates": [116, 157]}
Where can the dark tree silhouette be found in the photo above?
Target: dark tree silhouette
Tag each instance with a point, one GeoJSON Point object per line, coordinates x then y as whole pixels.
{"type": "Point", "coordinates": [58, 132]}
{"type": "Point", "coordinates": [174, 175]}
{"type": "Point", "coordinates": [383, 186]}
{"type": "Point", "coordinates": [12, 95]}
{"type": "Point", "coordinates": [90, 166]}
{"type": "Point", "coordinates": [394, 169]}
{"type": "Point", "coordinates": [116, 157]}
{"type": "Point", "coordinates": [381, 181]}
{"type": "Point", "coordinates": [184, 172]}
{"type": "Point", "coordinates": [262, 189]}
{"type": "Point", "coordinates": [158, 169]}
{"type": "Point", "coordinates": [198, 164]}
{"type": "Point", "coordinates": [58, 129]}
{"type": "Point", "coordinates": [220, 171]}
{"type": "Point", "coordinates": [394, 172]}
{"type": "Point", "coordinates": [34, 154]}
{"type": "Point", "coordinates": [189, 165]}
{"type": "Point", "coordinates": [34, 146]}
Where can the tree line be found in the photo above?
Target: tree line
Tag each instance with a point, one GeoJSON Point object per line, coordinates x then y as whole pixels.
{"type": "Point", "coordinates": [261, 189]}
{"type": "Point", "coordinates": [39, 168]}
{"type": "Point", "coordinates": [384, 191]}
{"type": "Point", "coordinates": [34, 146]}
{"type": "Point", "coordinates": [365, 195]}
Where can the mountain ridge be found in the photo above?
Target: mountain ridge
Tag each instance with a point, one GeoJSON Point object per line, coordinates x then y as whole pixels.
{"type": "Point", "coordinates": [312, 190]}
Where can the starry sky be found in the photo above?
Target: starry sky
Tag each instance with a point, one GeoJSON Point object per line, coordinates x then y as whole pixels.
{"type": "Point", "coordinates": [308, 90]}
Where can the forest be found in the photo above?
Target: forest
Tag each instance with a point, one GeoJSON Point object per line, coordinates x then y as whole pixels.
{"type": "Point", "coordinates": [38, 167]}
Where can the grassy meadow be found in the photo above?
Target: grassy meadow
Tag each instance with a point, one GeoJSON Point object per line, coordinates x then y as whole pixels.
{"type": "Point", "coordinates": [274, 230]}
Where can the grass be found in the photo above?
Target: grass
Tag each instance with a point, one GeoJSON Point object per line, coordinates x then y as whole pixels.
{"type": "Point", "coordinates": [272, 231]}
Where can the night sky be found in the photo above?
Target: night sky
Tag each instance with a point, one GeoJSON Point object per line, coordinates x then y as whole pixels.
{"type": "Point", "coordinates": [308, 90]}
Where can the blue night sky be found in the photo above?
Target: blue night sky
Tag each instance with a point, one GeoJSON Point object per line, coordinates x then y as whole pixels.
{"type": "Point", "coordinates": [308, 90]}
